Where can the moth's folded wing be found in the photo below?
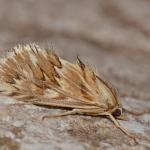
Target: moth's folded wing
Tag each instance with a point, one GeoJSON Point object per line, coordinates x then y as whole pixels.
{"type": "Point", "coordinates": [77, 82]}
{"type": "Point", "coordinates": [64, 103]}
{"type": "Point", "coordinates": [32, 71]}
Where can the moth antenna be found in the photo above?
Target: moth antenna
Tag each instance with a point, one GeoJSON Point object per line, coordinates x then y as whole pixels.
{"type": "Point", "coordinates": [136, 113]}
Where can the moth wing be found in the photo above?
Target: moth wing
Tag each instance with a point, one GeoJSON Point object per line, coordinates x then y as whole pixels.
{"type": "Point", "coordinates": [109, 94]}
{"type": "Point", "coordinates": [88, 86]}
{"type": "Point", "coordinates": [30, 72]}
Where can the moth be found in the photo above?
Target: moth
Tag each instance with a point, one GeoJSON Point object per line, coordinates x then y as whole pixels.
{"type": "Point", "coordinates": [37, 76]}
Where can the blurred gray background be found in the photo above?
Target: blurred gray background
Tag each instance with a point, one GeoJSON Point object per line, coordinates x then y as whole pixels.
{"type": "Point", "coordinates": [113, 36]}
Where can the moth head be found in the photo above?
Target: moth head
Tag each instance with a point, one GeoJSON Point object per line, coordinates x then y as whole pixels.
{"type": "Point", "coordinates": [117, 112]}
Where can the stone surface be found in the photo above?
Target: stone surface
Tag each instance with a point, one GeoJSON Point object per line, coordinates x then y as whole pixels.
{"type": "Point", "coordinates": [113, 36]}
{"type": "Point", "coordinates": [21, 127]}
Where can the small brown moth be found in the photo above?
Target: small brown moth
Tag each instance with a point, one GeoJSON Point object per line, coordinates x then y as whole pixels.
{"type": "Point", "coordinates": [38, 76]}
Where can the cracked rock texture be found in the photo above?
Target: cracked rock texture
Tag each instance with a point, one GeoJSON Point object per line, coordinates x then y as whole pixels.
{"type": "Point", "coordinates": [111, 35]}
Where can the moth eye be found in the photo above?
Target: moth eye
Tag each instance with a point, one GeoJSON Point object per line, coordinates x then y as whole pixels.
{"type": "Point", "coordinates": [117, 112]}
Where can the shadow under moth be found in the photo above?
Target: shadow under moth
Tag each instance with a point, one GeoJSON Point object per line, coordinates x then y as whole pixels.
{"type": "Point", "coordinates": [38, 76]}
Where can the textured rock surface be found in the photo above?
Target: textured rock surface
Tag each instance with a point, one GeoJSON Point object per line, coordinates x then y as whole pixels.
{"type": "Point", "coordinates": [111, 35]}
{"type": "Point", "coordinates": [22, 128]}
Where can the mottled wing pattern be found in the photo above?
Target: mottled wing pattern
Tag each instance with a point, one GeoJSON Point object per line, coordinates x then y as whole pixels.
{"type": "Point", "coordinates": [38, 76]}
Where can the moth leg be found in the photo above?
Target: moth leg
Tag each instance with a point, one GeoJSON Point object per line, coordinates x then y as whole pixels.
{"type": "Point", "coordinates": [118, 126]}
{"type": "Point", "coordinates": [72, 112]}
